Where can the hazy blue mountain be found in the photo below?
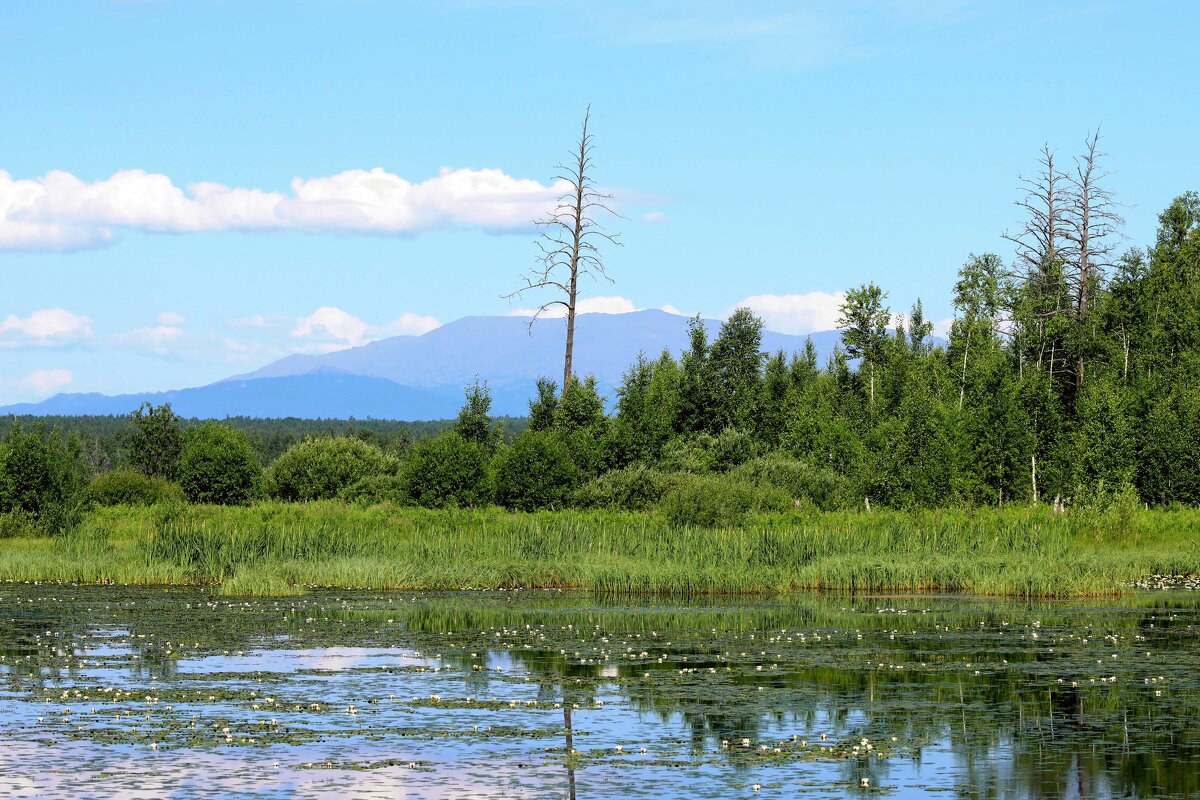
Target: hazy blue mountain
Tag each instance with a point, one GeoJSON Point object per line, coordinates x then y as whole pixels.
{"type": "Point", "coordinates": [422, 377]}
{"type": "Point", "coordinates": [510, 356]}
{"type": "Point", "coordinates": [317, 395]}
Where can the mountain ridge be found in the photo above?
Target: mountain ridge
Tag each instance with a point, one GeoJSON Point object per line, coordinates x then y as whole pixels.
{"type": "Point", "coordinates": [422, 377]}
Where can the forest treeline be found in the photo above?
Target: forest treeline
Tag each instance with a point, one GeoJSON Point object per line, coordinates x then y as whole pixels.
{"type": "Point", "coordinates": [104, 440]}
{"type": "Point", "coordinates": [1071, 376]}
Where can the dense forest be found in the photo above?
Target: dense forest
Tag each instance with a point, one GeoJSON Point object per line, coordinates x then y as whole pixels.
{"type": "Point", "coordinates": [105, 440]}
{"type": "Point", "coordinates": [1070, 376]}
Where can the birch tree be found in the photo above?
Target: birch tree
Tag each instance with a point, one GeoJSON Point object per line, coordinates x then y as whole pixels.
{"type": "Point", "coordinates": [863, 320]}
{"type": "Point", "coordinates": [976, 303]}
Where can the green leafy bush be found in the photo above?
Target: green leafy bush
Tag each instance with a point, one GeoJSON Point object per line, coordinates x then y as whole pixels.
{"type": "Point", "coordinates": [632, 489]}
{"type": "Point", "coordinates": [580, 406]}
{"type": "Point", "coordinates": [587, 448]}
{"type": "Point", "coordinates": [536, 472]}
{"type": "Point", "coordinates": [319, 469]}
{"type": "Point", "coordinates": [688, 453]}
{"type": "Point", "coordinates": [376, 489]}
{"type": "Point", "coordinates": [447, 470]}
{"type": "Point", "coordinates": [156, 441]}
{"type": "Point", "coordinates": [824, 488]}
{"type": "Point", "coordinates": [474, 422]}
{"type": "Point", "coordinates": [42, 478]}
{"type": "Point", "coordinates": [218, 466]}
{"type": "Point", "coordinates": [127, 487]}
{"type": "Point", "coordinates": [18, 523]}
{"type": "Point", "coordinates": [711, 502]}
{"type": "Point", "coordinates": [732, 447]}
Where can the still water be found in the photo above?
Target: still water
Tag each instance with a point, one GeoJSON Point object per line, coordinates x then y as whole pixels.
{"type": "Point", "coordinates": [122, 693]}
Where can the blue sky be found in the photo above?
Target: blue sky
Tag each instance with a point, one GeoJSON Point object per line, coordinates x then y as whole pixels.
{"type": "Point", "coordinates": [192, 189]}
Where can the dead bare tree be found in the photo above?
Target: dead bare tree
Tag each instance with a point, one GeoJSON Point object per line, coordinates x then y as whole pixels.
{"type": "Point", "coordinates": [1040, 310]}
{"type": "Point", "coordinates": [569, 239]}
{"type": "Point", "coordinates": [1092, 226]}
{"type": "Point", "coordinates": [1040, 240]}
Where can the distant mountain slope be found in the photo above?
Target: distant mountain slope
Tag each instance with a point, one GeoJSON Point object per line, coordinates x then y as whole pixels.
{"type": "Point", "coordinates": [508, 354]}
{"type": "Point", "coordinates": [422, 377]}
{"type": "Point", "coordinates": [317, 395]}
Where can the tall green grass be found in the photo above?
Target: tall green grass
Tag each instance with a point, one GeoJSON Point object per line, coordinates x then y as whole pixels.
{"type": "Point", "coordinates": [276, 548]}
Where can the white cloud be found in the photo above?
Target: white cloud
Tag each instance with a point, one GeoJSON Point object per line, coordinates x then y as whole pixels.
{"type": "Point", "coordinates": [604, 305]}
{"type": "Point", "coordinates": [346, 330]}
{"type": "Point", "coordinates": [334, 323]}
{"type": "Point", "coordinates": [49, 326]}
{"type": "Point", "coordinates": [797, 313]}
{"type": "Point", "coordinates": [378, 201]}
{"type": "Point", "coordinates": [654, 216]}
{"type": "Point", "coordinates": [58, 211]}
{"type": "Point", "coordinates": [170, 318]}
{"type": "Point", "coordinates": [158, 339]}
{"type": "Point", "coordinates": [45, 382]}
{"type": "Point", "coordinates": [409, 324]}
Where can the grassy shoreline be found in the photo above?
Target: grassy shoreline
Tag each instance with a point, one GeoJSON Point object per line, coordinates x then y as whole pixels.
{"type": "Point", "coordinates": [282, 549]}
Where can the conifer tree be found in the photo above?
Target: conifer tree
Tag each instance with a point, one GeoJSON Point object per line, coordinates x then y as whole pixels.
{"type": "Point", "coordinates": [736, 364]}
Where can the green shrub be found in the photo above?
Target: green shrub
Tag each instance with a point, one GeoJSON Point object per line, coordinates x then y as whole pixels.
{"type": "Point", "coordinates": [712, 502]}
{"type": "Point", "coordinates": [632, 489]}
{"type": "Point", "coordinates": [43, 478]}
{"type": "Point", "coordinates": [688, 453]}
{"type": "Point", "coordinates": [732, 447]}
{"type": "Point", "coordinates": [319, 469]}
{"type": "Point", "coordinates": [824, 488]}
{"type": "Point", "coordinates": [18, 523]}
{"type": "Point", "coordinates": [218, 466]}
{"type": "Point", "coordinates": [580, 407]}
{"type": "Point", "coordinates": [127, 487]}
{"type": "Point", "coordinates": [1101, 497]}
{"type": "Point", "coordinates": [156, 441]}
{"type": "Point", "coordinates": [376, 489]}
{"type": "Point", "coordinates": [447, 470]}
{"type": "Point", "coordinates": [587, 449]}
{"type": "Point", "coordinates": [536, 472]}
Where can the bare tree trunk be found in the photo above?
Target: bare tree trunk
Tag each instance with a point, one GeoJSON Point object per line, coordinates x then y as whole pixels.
{"type": "Point", "coordinates": [1040, 247]}
{"type": "Point", "coordinates": [1033, 476]}
{"type": "Point", "coordinates": [1052, 348]}
{"type": "Point", "coordinates": [568, 241]}
{"type": "Point", "coordinates": [1092, 220]}
{"type": "Point", "coordinates": [1125, 343]}
{"type": "Point", "coordinates": [567, 367]}
{"type": "Point", "coordinates": [576, 241]}
{"type": "Point", "coordinates": [1039, 241]}
{"type": "Point", "coordinates": [962, 386]}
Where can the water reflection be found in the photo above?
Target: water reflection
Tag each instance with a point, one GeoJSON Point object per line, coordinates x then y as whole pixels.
{"type": "Point", "coordinates": [521, 694]}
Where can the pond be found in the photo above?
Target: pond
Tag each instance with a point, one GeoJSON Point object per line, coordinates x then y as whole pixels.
{"type": "Point", "coordinates": [145, 692]}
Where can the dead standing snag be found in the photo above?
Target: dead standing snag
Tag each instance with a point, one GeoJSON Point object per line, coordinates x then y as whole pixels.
{"type": "Point", "coordinates": [569, 239]}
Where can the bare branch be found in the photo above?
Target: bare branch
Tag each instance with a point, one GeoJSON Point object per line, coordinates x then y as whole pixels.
{"type": "Point", "coordinates": [568, 238]}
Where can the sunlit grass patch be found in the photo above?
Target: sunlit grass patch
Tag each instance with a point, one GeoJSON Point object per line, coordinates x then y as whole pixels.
{"type": "Point", "coordinates": [279, 549]}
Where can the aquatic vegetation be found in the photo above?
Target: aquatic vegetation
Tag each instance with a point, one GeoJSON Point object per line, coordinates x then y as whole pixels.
{"type": "Point", "coordinates": [475, 692]}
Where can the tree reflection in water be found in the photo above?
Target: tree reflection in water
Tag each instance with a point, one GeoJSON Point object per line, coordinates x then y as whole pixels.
{"type": "Point", "coordinates": [1020, 696]}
